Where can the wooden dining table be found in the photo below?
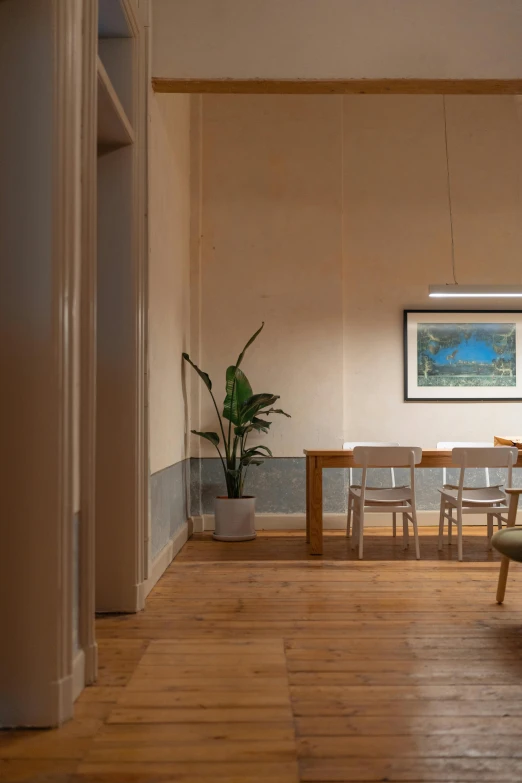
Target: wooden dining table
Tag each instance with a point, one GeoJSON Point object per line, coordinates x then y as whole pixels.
{"type": "Point", "coordinates": [317, 461]}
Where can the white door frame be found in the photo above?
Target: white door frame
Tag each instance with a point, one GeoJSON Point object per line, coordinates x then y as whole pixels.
{"type": "Point", "coordinates": [138, 541]}
{"type": "Point", "coordinates": [36, 575]}
{"type": "Point", "coordinates": [87, 638]}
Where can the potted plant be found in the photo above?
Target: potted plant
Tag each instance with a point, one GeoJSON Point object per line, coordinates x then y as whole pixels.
{"type": "Point", "coordinates": [235, 513]}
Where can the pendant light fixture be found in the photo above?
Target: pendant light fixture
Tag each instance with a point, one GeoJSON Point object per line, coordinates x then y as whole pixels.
{"type": "Point", "coordinates": [455, 291]}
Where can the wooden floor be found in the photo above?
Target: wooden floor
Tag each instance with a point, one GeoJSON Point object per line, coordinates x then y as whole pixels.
{"type": "Point", "coordinates": [254, 663]}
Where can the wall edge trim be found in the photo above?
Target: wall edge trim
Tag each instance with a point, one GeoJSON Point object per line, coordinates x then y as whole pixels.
{"type": "Point", "coordinates": [330, 521]}
{"type": "Point", "coordinates": [169, 467]}
{"type": "Point", "coordinates": [165, 557]}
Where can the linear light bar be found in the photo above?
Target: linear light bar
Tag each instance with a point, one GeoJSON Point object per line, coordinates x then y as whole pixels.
{"type": "Point", "coordinates": [475, 291]}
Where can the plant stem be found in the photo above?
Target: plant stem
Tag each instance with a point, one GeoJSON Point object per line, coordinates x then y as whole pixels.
{"type": "Point", "coordinates": [225, 442]}
{"type": "Point", "coordinates": [244, 472]}
{"type": "Point", "coordinates": [232, 410]}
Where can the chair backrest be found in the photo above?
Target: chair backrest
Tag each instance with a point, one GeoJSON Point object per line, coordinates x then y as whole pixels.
{"type": "Point", "coordinates": [387, 456]}
{"type": "Point", "coordinates": [448, 445]}
{"type": "Point", "coordinates": [351, 445]}
{"type": "Point", "coordinates": [492, 457]}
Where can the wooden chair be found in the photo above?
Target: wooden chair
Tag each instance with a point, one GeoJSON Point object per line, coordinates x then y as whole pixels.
{"type": "Point", "coordinates": [350, 446]}
{"type": "Point", "coordinates": [395, 500]}
{"type": "Point", "coordinates": [469, 500]}
{"type": "Point", "coordinates": [508, 542]}
{"type": "Point", "coordinates": [448, 445]}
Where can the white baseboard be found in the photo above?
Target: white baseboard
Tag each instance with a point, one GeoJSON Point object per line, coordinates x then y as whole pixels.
{"type": "Point", "coordinates": [162, 560]}
{"type": "Point", "coordinates": [198, 523]}
{"type": "Point", "coordinates": [78, 674]}
{"type": "Point", "coordinates": [331, 521]}
{"type": "Point", "coordinates": [91, 663]}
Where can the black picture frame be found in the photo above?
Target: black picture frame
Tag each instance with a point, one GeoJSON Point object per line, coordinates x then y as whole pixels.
{"type": "Point", "coordinates": [407, 395]}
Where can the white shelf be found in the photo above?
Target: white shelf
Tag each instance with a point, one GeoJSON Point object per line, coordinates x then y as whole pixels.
{"type": "Point", "coordinates": [114, 128]}
{"type": "Point", "coordinates": [113, 21]}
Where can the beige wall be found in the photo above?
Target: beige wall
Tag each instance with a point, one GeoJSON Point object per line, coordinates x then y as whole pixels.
{"type": "Point", "coordinates": [327, 217]}
{"type": "Point", "coordinates": [270, 250]}
{"type": "Point", "coordinates": [169, 299]}
{"type": "Point", "coordinates": [337, 39]}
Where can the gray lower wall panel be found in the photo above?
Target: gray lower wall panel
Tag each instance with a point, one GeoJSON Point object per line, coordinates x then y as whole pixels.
{"type": "Point", "coordinates": [168, 503]}
{"type": "Point", "coordinates": [279, 485]}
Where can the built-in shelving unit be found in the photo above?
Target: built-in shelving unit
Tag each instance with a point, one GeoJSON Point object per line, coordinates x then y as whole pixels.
{"type": "Point", "coordinates": [115, 80]}
{"type": "Point", "coordinates": [114, 128]}
{"type": "Point", "coordinates": [121, 463]}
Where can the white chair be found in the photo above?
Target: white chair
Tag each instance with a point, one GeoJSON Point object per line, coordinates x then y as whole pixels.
{"type": "Point", "coordinates": [469, 500]}
{"type": "Point", "coordinates": [350, 446]}
{"type": "Point", "coordinates": [450, 445]}
{"type": "Point", "coordinates": [395, 500]}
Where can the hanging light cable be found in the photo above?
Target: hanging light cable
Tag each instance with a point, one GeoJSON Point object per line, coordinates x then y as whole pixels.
{"type": "Point", "coordinates": [456, 290]}
{"type": "Point", "coordinates": [448, 183]}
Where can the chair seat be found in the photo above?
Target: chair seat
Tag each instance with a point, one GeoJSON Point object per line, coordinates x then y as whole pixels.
{"type": "Point", "coordinates": [509, 542]}
{"type": "Point", "coordinates": [455, 486]}
{"type": "Point", "coordinates": [358, 486]}
{"type": "Point", "coordinates": [385, 495]}
{"type": "Point", "coordinates": [483, 496]}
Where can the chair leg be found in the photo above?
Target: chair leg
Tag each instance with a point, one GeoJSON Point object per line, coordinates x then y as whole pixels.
{"type": "Point", "coordinates": [441, 524]}
{"type": "Point", "coordinates": [502, 579]}
{"type": "Point", "coordinates": [394, 525]}
{"type": "Point", "coordinates": [450, 524]}
{"type": "Point", "coordinates": [349, 517]}
{"type": "Point", "coordinates": [415, 532]}
{"type": "Point", "coordinates": [355, 527]}
{"type": "Point", "coordinates": [499, 522]}
{"type": "Point", "coordinates": [405, 532]}
{"type": "Point", "coordinates": [361, 532]}
{"type": "Point", "coordinates": [459, 534]}
{"type": "Point", "coordinates": [490, 530]}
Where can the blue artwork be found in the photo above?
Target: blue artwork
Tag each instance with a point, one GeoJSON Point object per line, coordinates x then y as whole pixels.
{"type": "Point", "coordinates": [460, 354]}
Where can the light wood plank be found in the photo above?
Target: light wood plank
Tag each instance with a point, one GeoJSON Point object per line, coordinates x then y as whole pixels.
{"type": "Point", "coordinates": [287, 668]}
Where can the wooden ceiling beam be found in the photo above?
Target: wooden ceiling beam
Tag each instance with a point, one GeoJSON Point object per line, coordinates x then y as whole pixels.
{"type": "Point", "coordinates": [341, 86]}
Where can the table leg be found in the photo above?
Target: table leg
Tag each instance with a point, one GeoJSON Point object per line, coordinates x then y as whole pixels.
{"type": "Point", "coordinates": [504, 563]}
{"type": "Point", "coordinates": [308, 461]}
{"type": "Point", "coordinates": [316, 507]}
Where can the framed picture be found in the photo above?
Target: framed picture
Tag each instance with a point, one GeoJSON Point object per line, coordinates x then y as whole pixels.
{"type": "Point", "coordinates": [462, 355]}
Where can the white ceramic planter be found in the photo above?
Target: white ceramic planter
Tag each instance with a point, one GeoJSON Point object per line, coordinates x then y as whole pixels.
{"type": "Point", "coordinates": [235, 519]}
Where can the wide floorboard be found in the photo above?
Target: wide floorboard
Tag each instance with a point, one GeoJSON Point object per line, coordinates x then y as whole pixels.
{"type": "Point", "coordinates": [255, 663]}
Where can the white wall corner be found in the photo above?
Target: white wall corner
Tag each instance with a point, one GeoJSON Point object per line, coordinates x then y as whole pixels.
{"type": "Point", "coordinates": [198, 523]}
{"type": "Point", "coordinates": [91, 663]}
{"type": "Point", "coordinates": [78, 674]}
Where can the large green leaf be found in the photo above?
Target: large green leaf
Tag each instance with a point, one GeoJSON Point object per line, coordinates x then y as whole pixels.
{"type": "Point", "coordinates": [203, 375]}
{"type": "Point", "coordinates": [257, 450]}
{"type": "Point", "coordinates": [238, 391]}
{"type": "Point", "coordinates": [257, 425]}
{"type": "Point", "coordinates": [275, 410]}
{"type": "Point", "coordinates": [213, 437]}
{"type": "Point", "coordinates": [253, 460]}
{"type": "Point", "coordinates": [249, 343]}
{"type": "Point", "coordinates": [261, 425]}
{"type": "Point", "coordinates": [254, 404]}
